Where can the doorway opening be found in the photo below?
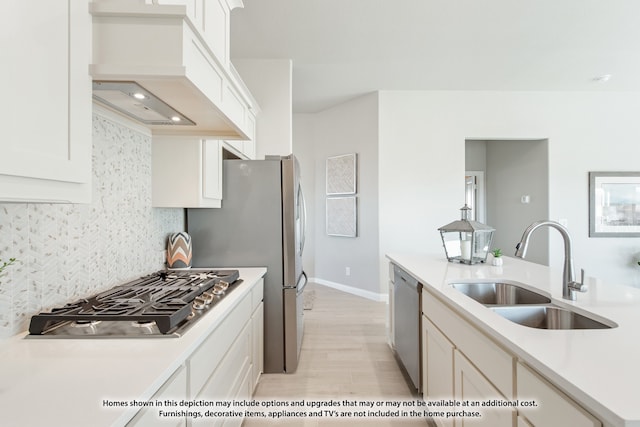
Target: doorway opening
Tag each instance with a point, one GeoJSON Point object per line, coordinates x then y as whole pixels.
{"type": "Point", "coordinates": [507, 183]}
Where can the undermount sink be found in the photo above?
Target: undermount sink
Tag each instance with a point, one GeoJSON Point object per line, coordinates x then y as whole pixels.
{"type": "Point", "coordinates": [525, 307]}
{"type": "Point", "coordinates": [548, 317]}
{"type": "Point", "coordinates": [497, 293]}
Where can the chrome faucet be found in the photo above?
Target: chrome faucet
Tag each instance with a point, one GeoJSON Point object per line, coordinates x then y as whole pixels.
{"type": "Point", "coordinates": [569, 284]}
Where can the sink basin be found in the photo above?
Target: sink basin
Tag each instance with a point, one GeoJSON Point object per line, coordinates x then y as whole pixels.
{"type": "Point", "coordinates": [497, 293]}
{"type": "Point", "coordinates": [548, 317]}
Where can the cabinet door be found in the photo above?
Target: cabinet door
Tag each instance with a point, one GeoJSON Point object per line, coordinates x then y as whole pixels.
{"type": "Point", "coordinates": [471, 385]}
{"type": "Point", "coordinates": [228, 377]}
{"type": "Point", "coordinates": [257, 356]}
{"type": "Point", "coordinates": [46, 101]}
{"type": "Point", "coordinates": [186, 172]}
{"type": "Point", "coordinates": [437, 366]}
{"type": "Point", "coordinates": [554, 407]}
{"type": "Point", "coordinates": [174, 388]}
{"type": "Point", "coordinates": [212, 170]}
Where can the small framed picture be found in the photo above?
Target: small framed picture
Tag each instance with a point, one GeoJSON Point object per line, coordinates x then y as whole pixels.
{"type": "Point", "coordinates": [341, 174]}
{"type": "Point", "coordinates": [342, 216]}
{"type": "Point", "coordinates": [614, 204]}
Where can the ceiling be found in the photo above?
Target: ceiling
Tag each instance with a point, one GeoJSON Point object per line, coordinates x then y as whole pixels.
{"type": "Point", "coordinates": [341, 49]}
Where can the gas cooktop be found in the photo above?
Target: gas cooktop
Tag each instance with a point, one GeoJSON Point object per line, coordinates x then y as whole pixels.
{"type": "Point", "coordinates": [162, 304]}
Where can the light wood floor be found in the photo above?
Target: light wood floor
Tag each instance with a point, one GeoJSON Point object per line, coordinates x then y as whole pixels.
{"type": "Point", "coordinates": [344, 355]}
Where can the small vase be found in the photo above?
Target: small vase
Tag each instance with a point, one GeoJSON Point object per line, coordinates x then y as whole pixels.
{"type": "Point", "coordinates": [496, 261]}
{"type": "Point", "coordinates": [179, 251]}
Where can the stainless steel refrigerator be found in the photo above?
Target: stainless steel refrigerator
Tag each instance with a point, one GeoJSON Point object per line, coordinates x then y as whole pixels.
{"type": "Point", "coordinates": [261, 223]}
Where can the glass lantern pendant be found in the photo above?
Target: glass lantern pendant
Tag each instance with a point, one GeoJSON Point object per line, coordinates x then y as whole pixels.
{"type": "Point", "coordinates": [466, 241]}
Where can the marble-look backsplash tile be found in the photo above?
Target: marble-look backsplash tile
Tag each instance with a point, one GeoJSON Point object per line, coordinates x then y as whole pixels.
{"type": "Point", "coordinates": [70, 251]}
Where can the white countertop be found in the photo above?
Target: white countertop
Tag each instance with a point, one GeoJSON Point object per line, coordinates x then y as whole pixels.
{"type": "Point", "coordinates": [598, 368]}
{"type": "Point", "coordinates": [62, 382]}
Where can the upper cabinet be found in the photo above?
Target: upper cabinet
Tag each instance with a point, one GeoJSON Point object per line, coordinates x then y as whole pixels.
{"type": "Point", "coordinates": [167, 65]}
{"type": "Point", "coordinates": [187, 171]}
{"type": "Point", "coordinates": [45, 152]}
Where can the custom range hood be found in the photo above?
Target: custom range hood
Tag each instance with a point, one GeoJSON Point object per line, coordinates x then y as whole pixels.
{"type": "Point", "coordinates": [131, 99]}
{"type": "Point", "coordinates": [158, 65]}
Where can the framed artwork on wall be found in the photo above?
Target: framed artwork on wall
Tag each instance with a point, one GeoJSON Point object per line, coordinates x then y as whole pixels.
{"type": "Point", "coordinates": [341, 174]}
{"type": "Point", "coordinates": [342, 216]}
{"type": "Point", "coordinates": [614, 204]}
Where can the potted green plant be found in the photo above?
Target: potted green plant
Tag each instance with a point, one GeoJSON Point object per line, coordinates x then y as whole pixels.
{"type": "Point", "coordinates": [497, 257]}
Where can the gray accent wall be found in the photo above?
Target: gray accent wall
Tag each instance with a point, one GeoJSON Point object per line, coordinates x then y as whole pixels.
{"type": "Point", "coordinates": [516, 169]}
{"type": "Point", "coordinates": [347, 128]}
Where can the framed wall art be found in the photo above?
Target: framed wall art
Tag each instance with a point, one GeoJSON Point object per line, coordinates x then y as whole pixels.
{"type": "Point", "coordinates": [614, 204]}
{"type": "Point", "coordinates": [342, 216]}
{"type": "Point", "coordinates": [341, 174]}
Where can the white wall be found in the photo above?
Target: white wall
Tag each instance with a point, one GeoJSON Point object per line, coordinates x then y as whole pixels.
{"type": "Point", "coordinates": [270, 83]}
{"type": "Point", "coordinates": [421, 160]}
{"type": "Point", "coordinates": [347, 128]}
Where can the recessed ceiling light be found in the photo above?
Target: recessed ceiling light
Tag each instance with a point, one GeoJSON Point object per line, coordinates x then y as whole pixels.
{"type": "Point", "coordinates": [603, 78]}
{"type": "Point", "coordinates": [139, 95]}
{"type": "Point", "coordinates": [175, 118]}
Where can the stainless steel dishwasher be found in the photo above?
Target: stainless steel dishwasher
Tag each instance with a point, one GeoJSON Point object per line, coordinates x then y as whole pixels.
{"type": "Point", "coordinates": [406, 323]}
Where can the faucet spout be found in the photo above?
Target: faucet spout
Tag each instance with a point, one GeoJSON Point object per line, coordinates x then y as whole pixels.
{"type": "Point", "coordinates": [569, 284]}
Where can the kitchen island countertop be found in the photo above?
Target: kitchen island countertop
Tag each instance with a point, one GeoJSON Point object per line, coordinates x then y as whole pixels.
{"type": "Point", "coordinates": [64, 382]}
{"type": "Point", "coordinates": [599, 368]}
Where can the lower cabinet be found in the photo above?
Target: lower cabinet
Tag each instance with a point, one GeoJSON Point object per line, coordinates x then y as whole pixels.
{"type": "Point", "coordinates": [174, 388]}
{"type": "Point", "coordinates": [228, 377]}
{"type": "Point", "coordinates": [257, 325]}
{"type": "Point", "coordinates": [460, 362]}
{"type": "Point", "coordinates": [437, 369]}
{"type": "Point", "coordinates": [554, 407]}
{"type": "Point", "coordinates": [225, 367]}
{"type": "Point", "coordinates": [471, 385]}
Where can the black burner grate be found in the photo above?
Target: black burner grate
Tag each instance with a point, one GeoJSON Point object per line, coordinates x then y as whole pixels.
{"type": "Point", "coordinates": [163, 297]}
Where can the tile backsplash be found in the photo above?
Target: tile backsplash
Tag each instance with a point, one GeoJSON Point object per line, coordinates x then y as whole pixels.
{"type": "Point", "coordinates": [70, 251]}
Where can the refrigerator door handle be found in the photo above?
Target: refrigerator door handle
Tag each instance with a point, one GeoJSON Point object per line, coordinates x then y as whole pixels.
{"type": "Point", "coordinates": [301, 287]}
{"type": "Point", "coordinates": [303, 217]}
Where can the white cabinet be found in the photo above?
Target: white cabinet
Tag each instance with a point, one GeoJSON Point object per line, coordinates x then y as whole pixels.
{"type": "Point", "coordinates": [437, 367]}
{"type": "Point", "coordinates": [212, 18]}
{"type": "Point", "coordinates": [494, 362]}
{"type": "Point", "coordinates": [46, 101]}
{"type": "Point", "coordinates": [174, 388]}
{"type": "Point", "coordinates": [471, 385]}
{"type": "Point", "coordinates": [228, 380]}
{"type": "Point", "coordinates": [257, 344]}
{"type": "Point", "coordinates": [228, 363]}
{"type": "Point", "coordinates": [461, 362]}
{"type": "Point", "coordinates": [553, 406]}
{"type": "Point", "coordinates": [191, 72]}
{"type": "Point", "coordinates": [187, 172]}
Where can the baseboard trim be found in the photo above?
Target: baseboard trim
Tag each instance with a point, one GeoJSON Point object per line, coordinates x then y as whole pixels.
{"type": "Point", "coordinates": [351, 290]}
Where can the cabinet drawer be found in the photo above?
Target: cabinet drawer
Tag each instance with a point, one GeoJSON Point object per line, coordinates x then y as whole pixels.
{"type": "Point", "coordinates": [207, 357]}
{"type": "Point", "coordinates": [495, 363]}
{"type": "Point", "coordinates": [554, 407]}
